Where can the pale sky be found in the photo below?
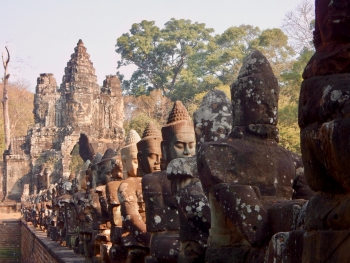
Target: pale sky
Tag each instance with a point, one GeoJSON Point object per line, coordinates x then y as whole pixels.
{"type": "Point", "coordinates": [43, 33]}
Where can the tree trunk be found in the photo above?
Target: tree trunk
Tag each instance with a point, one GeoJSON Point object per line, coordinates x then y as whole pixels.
{"type": "Point", "coordinates": [5, 100]}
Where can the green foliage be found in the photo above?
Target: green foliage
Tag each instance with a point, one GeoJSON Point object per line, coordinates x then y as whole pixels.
{"type": "Point", "coordinates": [159, 54]}
{"type": "Point", "coordinates": [20, 111]}
{"type": "Point", "coordinates": [193, 104]}
{"type": "Point", "coordinates": [139, 123]}
{"type": "Point", "coordinates": [288, 103]}
{"type": "Point", "coordinates": [184, 59]}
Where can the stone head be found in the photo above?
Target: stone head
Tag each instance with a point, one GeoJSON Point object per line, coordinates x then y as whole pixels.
{"type": "Point", "coordinates": [93, 171]}
{"type": "Point", "coordinates": [213, 120]}
{"type": "Point", "coordinates": [255, 93]}
{"type": "Point", "coordinates": [332, 22]}
{"type": "Point", "coordinates": [46, 84]}
{"type": "Point", "coordinates": [105, 167]}
{"type": "Point", "coordinates": [81, 178]}
{"type": "Point", "coordinates": [149, 152]}
{"type": "Point", "coordinates": [129, 154]}
{"type": "Point", "coordinates": [178, 134]}
{"type": "Point", "coordinates": [78, 108]}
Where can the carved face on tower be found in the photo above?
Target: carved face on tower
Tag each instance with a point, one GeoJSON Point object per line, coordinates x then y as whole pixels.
{"type": "Point", "coordinates": [129, 154]}
{"type": "Point", "coordinates": [213, 120]}
{"type": "Point", "coordinates": [333, 20]}
{"type": "Point", "coordinates": [79, 108]}
{"type": "Point", "coordinates": [178, 134]}
{"type": "Point", "coordinates": [149, 152]}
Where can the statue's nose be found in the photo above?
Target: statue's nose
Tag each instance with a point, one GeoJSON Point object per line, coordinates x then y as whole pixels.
{"type": "Point", "coordinates": [187, 151]}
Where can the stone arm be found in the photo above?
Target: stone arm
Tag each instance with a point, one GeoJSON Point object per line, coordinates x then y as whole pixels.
{"type": "Point", "coordinates": [132, 219]}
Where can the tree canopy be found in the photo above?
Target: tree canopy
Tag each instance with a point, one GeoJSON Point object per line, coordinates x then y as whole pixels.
{"type": "Point", "coordinates": [160, 54]}
{"type": "Point", "coordinates": [184, 58]}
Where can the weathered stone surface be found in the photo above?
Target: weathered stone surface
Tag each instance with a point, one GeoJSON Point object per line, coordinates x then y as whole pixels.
{"type": "Point", "coordinates": [129, 154]}
{"type": "Point", "coordinates": [286, 247]}
{"type": "Point", "coordinates": [263, 164]}
{"type": "Point", "coordinates": [255, 93]}
{"type": "Point", "coordinates": [162, 217]}
{"type": "Point", "coordinates": [326, 246]}
{"type": "Point", "coordinates": [213, 119]}
{"type": "Point", "coordinates": [77, 112]}
{"type": "Point", "coordinates": [133, 210]}
{"type": "Point", "coordinates": [149, 151]}
{"type": "Point", "coordinates": [253, 172]}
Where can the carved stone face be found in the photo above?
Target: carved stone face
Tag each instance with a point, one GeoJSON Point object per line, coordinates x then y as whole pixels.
{"type": "Point", "coordinates": [79, 108]}
{"type": "Point", "coordinates": [182, 145]}
{"type": "Point", "coordinates": [117, 168]}
{"type": "Point", "coordinates": [149, 159]}
{"type": "Point", "coordinates": [130, 162]}
{"type": "Point", "coordinates": [333, 19]}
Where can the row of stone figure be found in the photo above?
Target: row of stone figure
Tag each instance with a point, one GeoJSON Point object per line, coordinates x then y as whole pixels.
{"type": "Point", "coordinates": [215, 189]}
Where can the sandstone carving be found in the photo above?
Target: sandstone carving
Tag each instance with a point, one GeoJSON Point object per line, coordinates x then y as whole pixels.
{"type": "Point", "coordinates": [323, 121]}
{"type": "Point", "coordinates": [252, 172]}
{"type": "Point", "coordinates": [161, 209]}
{"type": "Point", "coordinates": [76, 112]}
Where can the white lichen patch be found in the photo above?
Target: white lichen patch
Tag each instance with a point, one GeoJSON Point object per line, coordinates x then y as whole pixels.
{"type": "Point", "coordinates": [257, 208]}
{"type": "Point", "coordinates": [157, 219]}
{"type": "Point", "coordinates": [336, 95]}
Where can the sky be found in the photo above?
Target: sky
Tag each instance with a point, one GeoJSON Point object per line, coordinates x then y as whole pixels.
{"type": "Point", "coordinates": [41, 34]}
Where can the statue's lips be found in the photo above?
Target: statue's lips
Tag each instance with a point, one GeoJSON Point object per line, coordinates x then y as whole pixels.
{"type": "Point", "coordinates": [156, 168]}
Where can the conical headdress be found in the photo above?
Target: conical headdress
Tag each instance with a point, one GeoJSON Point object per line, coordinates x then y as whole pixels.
{"type": "Point", "coordinates": [151, 130]}
{"type": "Point", "coordinates": [132, 138]}
{"type": "Point", "coordinates": [151, 137]}
{"type": "Point", "coordinates": [179, 121]}
{"type": "Point", "coordinates": [178, 113]}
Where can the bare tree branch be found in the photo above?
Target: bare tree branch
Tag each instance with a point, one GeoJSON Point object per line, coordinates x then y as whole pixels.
{"type": "Point", "coordinates": [5, 100]}
{"type": "Point", "coordinates": [298, 25]}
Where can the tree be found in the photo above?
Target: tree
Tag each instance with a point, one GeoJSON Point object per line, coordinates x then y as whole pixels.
{"type": "Point", "coordinates": [299, 24]}
{"type": "Point", "coordinates": [20, 110]}
{"type": "Point", "coordinates": [227, 51]}
{"type": "Point", "coordinates": [289, 102]}
{"type": "Point", "coordinates": [160, 54]}
{"type": "Point", "coordinates": [5, 62]}
{"type": "Point", "coordinates": [145, 108]}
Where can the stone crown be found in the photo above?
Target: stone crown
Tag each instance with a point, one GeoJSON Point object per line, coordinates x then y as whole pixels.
{"type": "Point", "coordinates": [151, 130]}
{"type": "Point", "coordinates": [132, 138]}
{"type": "Point", "coordinates": [178, 113]}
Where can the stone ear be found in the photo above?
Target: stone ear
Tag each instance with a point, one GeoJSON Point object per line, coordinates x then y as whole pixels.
{"type": "Point", "coordinates": [124, 160]}
{"type": "Point", "coordinates": [163, 148]}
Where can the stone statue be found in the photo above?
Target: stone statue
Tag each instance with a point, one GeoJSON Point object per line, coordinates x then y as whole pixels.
{"type": "Point", "coordinates": [324, 132]}
{"type": "Point", "coordinates": [93, 174]}
{"type": "Point", "coordinates": [135, 236]}
{"type": "Point", "coordinates": [212, 122]}
{"type": "Point", "coordinates": [161, 209]}
{"type": "Point", "coordinates": [149, 152]}
{"type": "Point", "coordinates": [105, 167]}
{"type": "Point", "coordinates": [129, 155]}
{"type": "Point", "coordinates": [248, 172]}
